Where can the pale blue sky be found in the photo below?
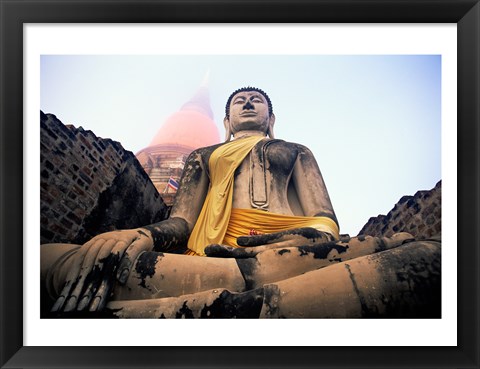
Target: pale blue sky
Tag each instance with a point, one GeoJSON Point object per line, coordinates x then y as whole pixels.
{"type": "Point", "coordinates": [372, 122]}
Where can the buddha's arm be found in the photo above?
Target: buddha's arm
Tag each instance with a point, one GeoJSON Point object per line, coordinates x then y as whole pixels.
{"type": "Point", "coordinates": [174, 231]}
{"type": "Point", "coordinates": [193, 188]}
{"type": "Point", "coordinates": [310, 187]}
{"type": "Point", "coordinates": [189, 200]}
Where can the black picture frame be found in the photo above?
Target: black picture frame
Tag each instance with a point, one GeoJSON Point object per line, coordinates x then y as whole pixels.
{"type": "Point", "coordinates": [14, 14]}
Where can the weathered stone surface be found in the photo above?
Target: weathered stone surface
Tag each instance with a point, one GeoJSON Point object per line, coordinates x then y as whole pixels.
{"type": "Point", "coordinates": [420, 215]}
{"type": "Point", "coordinates": [403, 282]}
{"type": "Point", "coordinates": [90, 185]}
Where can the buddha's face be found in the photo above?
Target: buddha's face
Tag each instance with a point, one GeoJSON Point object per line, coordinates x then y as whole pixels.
{"type": "Point", "coordinates": [249, 111]}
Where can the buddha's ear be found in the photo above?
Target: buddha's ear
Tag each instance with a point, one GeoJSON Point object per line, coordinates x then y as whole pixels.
{"type": "Point", "coordinates": [271, 123]}
{"type": "Point", "coordinates": [228, 130]}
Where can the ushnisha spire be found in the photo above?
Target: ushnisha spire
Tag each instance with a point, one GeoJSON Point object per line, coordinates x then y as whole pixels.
{"type": "Point", "coordinates": [192, 126]}
{"type": "Point", "coordinates": [200, 102]}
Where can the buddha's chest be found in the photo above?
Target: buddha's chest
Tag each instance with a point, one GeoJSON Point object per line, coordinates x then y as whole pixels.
{"type": "Point", "coordinates": [263, 176]}
{"type": "Point", "coordinates": [274, 161]}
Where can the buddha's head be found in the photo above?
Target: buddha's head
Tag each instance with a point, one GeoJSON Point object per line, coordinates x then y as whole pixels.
{"type": "Point", "coordinates": [248, 109]}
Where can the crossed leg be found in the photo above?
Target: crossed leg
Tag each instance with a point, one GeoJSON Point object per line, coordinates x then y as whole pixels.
{"type": "Point", "coordinates": [235, 287]}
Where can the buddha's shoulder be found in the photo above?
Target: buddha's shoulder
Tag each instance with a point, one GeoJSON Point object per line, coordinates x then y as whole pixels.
{"type": "Point", "coordinates": [286, 145]}
{"type": "Point", "coordinates": [205, 151]}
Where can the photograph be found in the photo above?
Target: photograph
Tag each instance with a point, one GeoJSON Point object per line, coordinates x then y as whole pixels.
{"type": "Point", "coordinates": [307, 186]}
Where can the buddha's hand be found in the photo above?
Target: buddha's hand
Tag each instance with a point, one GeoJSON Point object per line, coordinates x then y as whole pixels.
{"type": "Point", "coordinates": [97, 264]}
{"type": "Point", "coordinates": [252, 245]}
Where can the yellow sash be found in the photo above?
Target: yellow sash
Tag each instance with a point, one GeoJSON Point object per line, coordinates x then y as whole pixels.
{"type": "Point", "coordinates": [242, 221]}
{"type": "Point", "coordinates": [213, 220]}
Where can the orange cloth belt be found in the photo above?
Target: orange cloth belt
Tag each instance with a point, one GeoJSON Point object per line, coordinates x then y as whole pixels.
{"type": "Point", "coordinates": [242, 221]}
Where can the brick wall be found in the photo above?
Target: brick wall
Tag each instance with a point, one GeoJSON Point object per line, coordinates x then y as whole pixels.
{"type": "Point", "coordinates": [89, 185]}
{"type": "Point", "coordinates": [419, 215]}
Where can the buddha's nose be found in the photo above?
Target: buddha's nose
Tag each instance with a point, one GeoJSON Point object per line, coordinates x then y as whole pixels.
{"type": "Point", "coordinates": [248, 106]}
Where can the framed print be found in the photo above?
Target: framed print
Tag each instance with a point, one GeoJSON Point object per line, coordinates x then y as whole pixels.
{"type": "Point", "coordinates": [112, 28]}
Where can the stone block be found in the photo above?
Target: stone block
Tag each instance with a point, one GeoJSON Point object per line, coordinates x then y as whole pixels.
{"type": "Point", "coordinates": [419, 215]}
{"type": "Point", "coordinates": [90, 185]}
